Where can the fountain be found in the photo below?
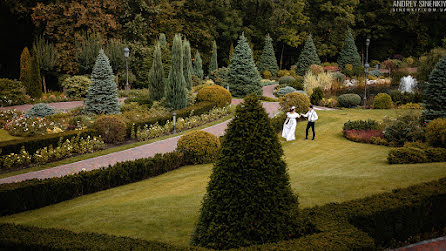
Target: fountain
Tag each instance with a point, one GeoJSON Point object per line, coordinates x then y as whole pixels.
{"type": "Point", "coordinates": [407, 84]}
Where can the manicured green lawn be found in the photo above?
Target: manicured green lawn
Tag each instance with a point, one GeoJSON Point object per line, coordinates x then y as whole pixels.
{"type": "Point", "coordinates": [4, 136]}
{"type": "Point", "coordinates": [165, 208]}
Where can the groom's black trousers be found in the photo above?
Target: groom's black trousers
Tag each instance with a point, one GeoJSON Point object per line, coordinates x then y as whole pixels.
{"type": "Point", "coordinates": [310, 124]}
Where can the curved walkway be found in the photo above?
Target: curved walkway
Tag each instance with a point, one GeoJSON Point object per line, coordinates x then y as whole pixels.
{"type": "Point", "coordinates": [57, 105]}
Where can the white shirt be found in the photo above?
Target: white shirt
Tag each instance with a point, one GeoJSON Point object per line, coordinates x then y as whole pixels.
{"type": "Point", "coordinates": [312, 115]}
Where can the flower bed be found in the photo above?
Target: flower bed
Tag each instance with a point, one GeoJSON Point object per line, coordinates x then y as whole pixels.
{"type": "Point", "coordinates": [365, 136]}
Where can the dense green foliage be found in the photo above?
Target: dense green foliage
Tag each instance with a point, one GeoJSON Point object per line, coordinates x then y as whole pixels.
{"type": "Point", "coordinates": [239, 213]}
{"type": "Point", "coordinates": [112, 129]}
{"type": "Point", "coordinates": [299, 100]}
{"type": "Point", "coordinates": [349, 100]}
{"type": "Point", "coordinates": [436, 132]}
{"type": "Point", "coordinates": [405, 128]}
{"type": "Point", "coordinates": [187, 64]}
{"type": "Point", "coordinates": [176, 84]}
{"type": "Point", "coordinates": [307, 57]}
{"type": "Point", "coordinates": [12, 92]}
{"type": "Point", "coordinates": [213, 65]}
{"type": "Point", "coordinates": [76, 86]}
{"type": "Point", "coordinates": [349, 53]}
{"type": "Point", "coordinates": [416, 153]}
{"type": "Point", "coordinates": [361, 125]}
{"type": "Point", "coordinates": [244, 78]}
{"type": "Point", "coordinates": [31, 194]}
{"type": "Point", "coordinates": [35, 86]}
{"type": "Point", "coordinates": [382, 101]}
{"type": "Point", "coordinates": [285, 90]}
{"type": "Point", "coordinates": [102, 94]}
{"type": "Point", "coordinates": [87, 52]}
{"type": "Point", "coordinates": [25, 69]}
{"type": "Point", "coordinates": [156, 79]}
{"type": "Point", "coordinates": [46, 53]}
{"type": "Point", "coordinates": [199, 146]}
{"type": "Point", "coordinates": [216, 94]}
{"type": "Point", "coordinates": [40, 110]}
{"type": "Point", "coordinates": [434, 92]}
{"type": "Point", "coordinates": [317, 96]}
{"type": "Point", "coordinates": [268, 61]}
{"type": "Point", "coordinates": [198, 65]}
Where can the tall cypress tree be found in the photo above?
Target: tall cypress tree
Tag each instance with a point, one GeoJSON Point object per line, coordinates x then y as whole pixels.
{"type": "Point", "coordinates": [176, 84]}
{"type": "Point", "coordinates": [25, 68]}
{"type": "Point", "coordinates": [102, 94]}
{"type": "Point", "coordinates": [349, 53]}
{"type": "Point", "coordinates": [162, 40]}
{"type": "Point", "coordinates": [198, 65]}
{"type": "Point", "coordinates": [156, 76]}
{"type": "Point", "coordinates": [243, 77]}
{"type": "Point", "coordinates": [249, 198]}
{"type": "Point", "coordinates": [213, 65]}
{"type": "Point", "coordinates": [35, 85]}
{"type": "Point", "coordinates": [434, 92]}
{"type": "Point", "coordinates": [187, 64]}
{"type": "Point", "coordinates": [268, 61]}
{"type": "Point", "coordinates": [307, 57]}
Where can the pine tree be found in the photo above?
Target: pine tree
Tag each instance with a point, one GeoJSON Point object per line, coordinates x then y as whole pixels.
{"type": "Point", "coordinates": [187, 64]}
{"type": "Point", "coordinates": [249, 198]}
{"type": "Point", "coordinates": [349, 53]}
{"type": "Point", "coordinates": [198, 65]}
{"type": "Point", "coordinates": [268, 61]}
{"type": "Point", "coordinates": [243, 76]}
{"type": "Point", "coordinates": [213, 65]}
{"type": "Point", "coordinates": [176, 84]}
{"type": "Point", "coordinates": [35, 85]}
{"type": "Point", "coordinates": [25, 68]}
{"type": "Point", "coordinates": [102, 94]}
{"type": "Point", "coordinates": [47, 58]}
{"type": "Point", "coordinates": [307, 57]}
{"type": "Point", "coordinates": [434, 92]}
{"type": "Point", "coordinates": [156, 76]}
{"type": "Point", "coordinates": [162, 40]}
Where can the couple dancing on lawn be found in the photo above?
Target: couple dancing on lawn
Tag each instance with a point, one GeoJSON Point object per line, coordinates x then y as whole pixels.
{"type": "Point", "coordinates": [289, 127]}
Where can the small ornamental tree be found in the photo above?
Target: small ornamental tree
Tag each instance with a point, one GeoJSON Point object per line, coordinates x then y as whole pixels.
{"type": "Point", "coordinates": [434, 92]}
{"type": "Point", "coordinates": [176, 94]}
{"type": "Point", "coordinates": [102, 94]}
{"type": "Point", "coordinates": [156, 76]}
{"type": "Point", "coordinates": [307, 57]}
{"type": "Point", "coordinates": [162, 40]}
{"type": "Point", "coordinates": [249, 198]}
{"type": "Point", "coordinates": [244, 78]}
{"type": "Point", "coordinates": [349, 53]}
{"type": "Point", "coordinates": [213, 65]}
{"type": "Point", "coordinates": [268, 60]}
{"type": "Point", "coordinates": [47, 57]}
{"type": "Point", "coordinates": [35, 87]}
{"type": "Point", "coordinates": [198, 65]}
{"type": "Point", "coordinates": [187, 64]}
{"type": "Point", "coordinates": [25, 68]}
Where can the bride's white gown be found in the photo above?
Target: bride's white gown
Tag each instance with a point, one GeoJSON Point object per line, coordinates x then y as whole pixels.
{"type": "Point", "coordinates": [290, 128]}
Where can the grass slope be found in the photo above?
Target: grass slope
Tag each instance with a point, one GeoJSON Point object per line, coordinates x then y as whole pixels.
{"type": "Point", "coordinates": [165, 208]}
{"type": "Point", "coordinates": [4, 136]}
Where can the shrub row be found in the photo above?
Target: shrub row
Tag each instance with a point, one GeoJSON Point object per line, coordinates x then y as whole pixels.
{"type": "Point", "coordinates": [35, 143]}
{"type": "Point", "coordinates": [32, 194]}
{"type": "Point", "coordinates": [416, 153]}
{"type": "Point", "coordinates": [361, 125]}
{"type": "Point", "coordinates": [197, 109]}
{"type": "Point", "coordinates": [380, 221]}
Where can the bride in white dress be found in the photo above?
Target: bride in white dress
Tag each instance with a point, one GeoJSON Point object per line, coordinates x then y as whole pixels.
{"type": "Point", "coordinates": [289, 127]}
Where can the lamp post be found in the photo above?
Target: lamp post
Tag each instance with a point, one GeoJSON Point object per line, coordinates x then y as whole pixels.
{"type": "Point", "coordinates": [126, 55]}
{"type": "Point", "coordinates": [366, 69]}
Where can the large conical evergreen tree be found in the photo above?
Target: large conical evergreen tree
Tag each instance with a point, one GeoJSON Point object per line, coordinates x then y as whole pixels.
{"type": "Point", "coordinates": [243, 77]}
{"type": "Point", "coordinates": [102, 94]}
{"type": "Point", "coordinates": [176, 84]}
{"type": "Point", "coordinates": [349, 53]}
{"type": "Point", "coordinates": [198, 65]}
{"type": "Point", "coordinates": [434, 92]}
{"type": "Point", "coordinates": [156, 76]}
{"type": "Point", "coordinates": [307, 57]}
{"type": "Point", "coordinates": [35, 87]}
{"type": "Point", "coordinates": [25, 68]}
{"type": "Point", "coordinates": [268, 61]}
{"type": "Point", "coordinates": [213, 65]}
{"type": "Point", "coordinates": [249, 198]}
{"type": "Point", "coordinates": [187, 64]}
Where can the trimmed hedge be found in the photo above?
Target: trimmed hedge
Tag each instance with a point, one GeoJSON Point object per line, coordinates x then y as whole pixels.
{"type": "Point", "coordinates": [349, 100]}
{"type": "Point", "coordinates": [416, 153]}
{"type": "Point", "coordinates": [197, 109]}
{"type": "Point", "coordinates": [361, 125]}
{"type": "Point", "coordinates": [376, 222]}
{"type": "Point", "coordinates": [35, 143]}
{"type": "Point", "coordinates": [32, 194]}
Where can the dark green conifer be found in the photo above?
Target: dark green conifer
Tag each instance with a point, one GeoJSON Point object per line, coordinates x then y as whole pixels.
{"type": "Point", "coordinates": [349, 53]}
{"type": "Point", "coordinates": [187, 64]}
{"type": "Point", "coordinates": [176, 84]}
{"type": "Point", "coordinates": [213, 65]}
{"type": "Point", "coordinates": [198, 65]}
{"type": "Point", "coordinates": [35, 87]}
{"type": "Point", "coordinates": [307, 57]}
{"type": "Point", "coordinates": [268, 61]}
{"type": "Point", "coordinates": [434, 92]}
{"type": "Point", "coordinates": [156, 76]}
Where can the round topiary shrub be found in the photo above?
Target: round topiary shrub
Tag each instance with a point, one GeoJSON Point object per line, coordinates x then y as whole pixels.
{"type": "Point", "coordinates": [111, 128]}
{"type": "Point", "coordinates": [215, 93]}
{"type": "Point", "coordinates": [199, 147]}
{"type": "Point", "coordinates": [349, 100]}
{"type": "Point", "coordinates": [76, 86]}
{"type": "Point", "coordinates": [285, 90]}
{"type": "Point", "coordinates": [286, 80]}
{"type": "Point", "coordinates": [382, 101]}
{"type": "Point", "coordinates": [436, 132]}
{"type": "Point", "coordinates": [299, 100]}
{"type": "Point", "coordinates": [40, 110]}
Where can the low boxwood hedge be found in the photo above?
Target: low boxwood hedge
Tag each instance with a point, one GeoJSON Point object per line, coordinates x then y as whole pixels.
{"type": "Point", "coordinates": [373, 223]}
{"type": "Point", "coordinates": [32, 194]}
{"type": "Point", "coordinates": [35, 143]}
